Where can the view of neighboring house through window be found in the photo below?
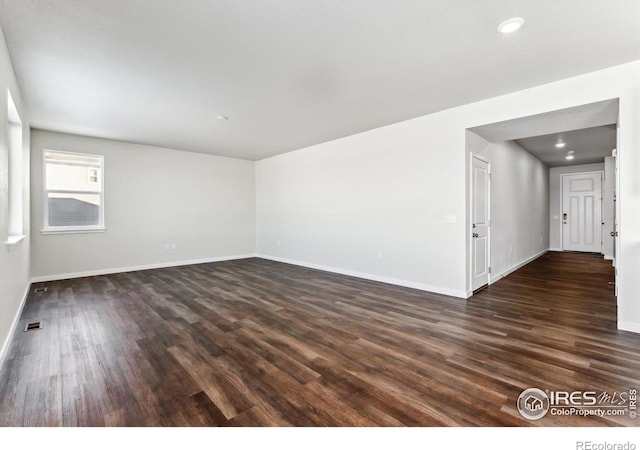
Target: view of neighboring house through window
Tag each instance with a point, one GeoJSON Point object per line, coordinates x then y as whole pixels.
{"type": "Point", "coordinates": [93, 175]}
{"type": "Point", "coordinates": [16, 192]}
{"type": "Point", "coordinates": [73, 191]}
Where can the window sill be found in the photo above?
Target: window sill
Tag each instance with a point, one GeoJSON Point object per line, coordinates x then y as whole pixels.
{"type": "Point", "coordinates": [72, 230]}
{"type": "Point", "coordinates": [14, 240]}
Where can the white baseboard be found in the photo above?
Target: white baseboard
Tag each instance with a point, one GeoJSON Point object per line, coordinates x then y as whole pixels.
{"type": "Point", "coordinates": [517, 266]}
{"type": "Point", "coordinates": [92, 273]}
{"type": "Point", "coordinates": [4, 351]}
{"type": "Point", "coordinates": [367, 276]}
{"type": "Point", "coordinates": [607, 257]}
{"type": "Point", "coordinates": [629, 326]}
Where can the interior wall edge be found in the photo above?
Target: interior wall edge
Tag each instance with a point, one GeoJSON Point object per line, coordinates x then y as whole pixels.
{"type": "Point", "coordinates": [397, 282]}
{"type": "Point", "coordinates": [4, 351]}
{"type": "Point", "coordinates": [163, 265]}
{"type": "Point", "coordinates": [628, 326]}
{"type": "Point", "coordinates": [522, 263]}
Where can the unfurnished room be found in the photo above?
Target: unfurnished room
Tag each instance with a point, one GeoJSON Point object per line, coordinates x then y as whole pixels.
{"type": "Point", "coordinates": [275, 213]}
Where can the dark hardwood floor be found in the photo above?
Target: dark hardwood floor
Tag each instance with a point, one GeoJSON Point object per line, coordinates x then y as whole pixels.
{"type": "Point", "coordinates": [254, 343]}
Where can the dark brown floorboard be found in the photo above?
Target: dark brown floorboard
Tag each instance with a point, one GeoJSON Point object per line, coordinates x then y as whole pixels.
{"type": "Point", "coordinates": [259, 343]}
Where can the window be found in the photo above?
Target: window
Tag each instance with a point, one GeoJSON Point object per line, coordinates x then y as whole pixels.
{"type": "Point", "coordinates": [74, 199]}
{"type": "Point", "coordinates": [16, 188]}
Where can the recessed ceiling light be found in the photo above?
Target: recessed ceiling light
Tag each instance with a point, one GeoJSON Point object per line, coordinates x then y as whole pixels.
{"type": "Point", "coordinates": [560, 144]}
{"type": "Point", "coordinates": [571, 152]}
{"type": "Point", "coordinates": [569, 157]}
{"type": "Point", "coordinates": [510, 25]}
{"type": "Point", "coordinates": [222, 117]}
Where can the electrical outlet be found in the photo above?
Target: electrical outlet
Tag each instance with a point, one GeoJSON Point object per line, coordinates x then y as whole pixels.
{"type": "Point", "coordinates": [173, 246]}
{"type": "Point", "coordinates": [167, 246]}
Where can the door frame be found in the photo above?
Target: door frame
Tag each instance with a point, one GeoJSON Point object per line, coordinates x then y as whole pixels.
{"type": "Point", "coordinates": [601, 172]}
{"type": "Point", "coordinates": [470, 222]}
{"type": "Point", "coordinates": [616, 187]}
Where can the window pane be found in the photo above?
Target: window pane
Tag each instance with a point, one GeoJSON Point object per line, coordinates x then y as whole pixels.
{"type": "Point", "coordinates": [72, 172]}
{"type": "Point", "coordinates": [73, 210]}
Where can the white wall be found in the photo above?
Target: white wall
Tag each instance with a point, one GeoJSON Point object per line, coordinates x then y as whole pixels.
{"type": "Point", "coordinates": [555, 199]}
{"type": "Point", "coordinates": [339, 203]}
{"type": "Point", "coordinates": [372, 204]}
{"type": "Point", "coordinates": [608, 206]}
{"type": "Point", "coordinates": [14, 258]}
{"type": "Point", "coordinates": [153, 196]}
{"type": "Point", "coordinates": [519, 204]}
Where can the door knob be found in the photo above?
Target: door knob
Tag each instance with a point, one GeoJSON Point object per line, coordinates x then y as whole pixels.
{"type": "Point", "coordinates": [614, 233]}
{"type": "Point", "coordinates": [475, 234]}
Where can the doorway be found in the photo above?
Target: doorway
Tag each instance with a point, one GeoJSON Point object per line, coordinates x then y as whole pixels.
{"type": "Point", "coordinates": [532, 155]}
{"type": "Point", "coordinates": [480, 217]}
{"type": "Point", "coordinates": [582, 212]}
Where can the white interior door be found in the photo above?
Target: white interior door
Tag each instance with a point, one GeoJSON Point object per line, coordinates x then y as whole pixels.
{"type": "Point", "coordinates": [582, 212]}
{"type": "Point", "coordinates": [480, 223]}
{"type": "Point", "coordinates": [616, 214]}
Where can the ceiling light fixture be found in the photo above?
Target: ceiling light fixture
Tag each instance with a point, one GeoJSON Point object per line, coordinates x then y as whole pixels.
{"type": "Point", "coordinates": [571, 152]}
{"type": "Point", "coordinates": [221, 117]}
{"type": "Point", "coordinates": [560, 145]}
{"type": "Point", "coordinates": [510, 25]}
{"type": "Point", "coordinates": [569, 157]}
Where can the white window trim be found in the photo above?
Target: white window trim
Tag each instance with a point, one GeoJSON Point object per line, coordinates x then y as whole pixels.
{"type": "Point", "coordinates": [16, 172]}
{"type": "Point", "coordinates": [46, 229]}
{"type": "Point", "coordinates": [14, 239]}
{"type": "Point", "coordinates": [72, 230]}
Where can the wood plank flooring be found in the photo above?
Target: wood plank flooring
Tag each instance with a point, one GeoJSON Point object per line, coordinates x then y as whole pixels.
{"type": "Point", "coordinates": [259, 343]}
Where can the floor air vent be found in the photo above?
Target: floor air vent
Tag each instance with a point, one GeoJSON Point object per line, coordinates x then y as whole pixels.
{"type": "Point", "coordinates": [33, 326]}
{"type": "Point", "coordinates": [41, 289]}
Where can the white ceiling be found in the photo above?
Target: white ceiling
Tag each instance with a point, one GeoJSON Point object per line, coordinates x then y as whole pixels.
{"type": "Point", "coordinates": [590, 145]}
{"type": "Point", "coordinates": [289, 74]}
{"type": "Point", "coordinates": [587, 130]}
{"type": "Point", "coordinates": [568, 119]}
